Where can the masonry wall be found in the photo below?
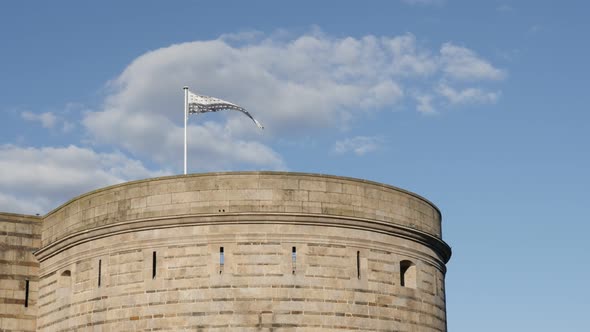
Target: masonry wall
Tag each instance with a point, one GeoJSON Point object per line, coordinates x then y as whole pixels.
{"type": "Point", "coordinates": [257, 288]}
{"type": "Point", "coordinates": [264, 192]}
{"type": "Point", "coordinates": [20, 236]}
{"type": "Point", "coordinates": [350, 237]}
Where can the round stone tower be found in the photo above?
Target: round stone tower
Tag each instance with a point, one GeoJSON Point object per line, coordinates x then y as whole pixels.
{"type": "Point", "coordinates": [243, 251]}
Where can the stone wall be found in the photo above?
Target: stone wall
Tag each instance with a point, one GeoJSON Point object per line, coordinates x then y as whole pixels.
{"type": "Point", "coordinates": [257, 288]}
{"type": "Point", "coordinates": [146, 256]}
{"type": "Point", "coordinates": [20, 236]}
{"type": "Point", "coordinates": [264, 192]}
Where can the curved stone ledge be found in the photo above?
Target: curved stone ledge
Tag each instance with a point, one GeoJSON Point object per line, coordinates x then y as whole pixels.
{"type": "Point", "coordinates": [442, 249]}
{"type": "Point", "coordinates": [241, 192]}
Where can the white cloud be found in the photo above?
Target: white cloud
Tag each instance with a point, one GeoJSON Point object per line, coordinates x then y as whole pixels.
{"type": "Point", "coordinates": [359, 145]}
{"type": "Point", "coordinates": [293, 86]}
{"type": "Point", "coordinates": [50, 120]}
{"type": "Point", "coordinates": [35, 180]}
{"type": "Point", "coordinates": [47, 119]}
{"type": "Point", "coordinates": [68, 126]}
{"type": "Point", "coordinates": [211, 146]}
{"type": "Point", "coordinates": [424, 104]}
{"type": "Point", "coordinates": [296, 87]}
{"type": "Point", "coordinates": [382, 94]}
{"type": "Point", "coordinates": [29, 205]}
{"type": "Point", "coordinates": [467, 96]}
{"type": "Point", "coordinates": [461, 63]}
{"type": "Point", "coordinates": [408, 59]}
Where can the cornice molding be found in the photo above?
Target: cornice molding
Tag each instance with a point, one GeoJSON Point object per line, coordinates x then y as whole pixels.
{"type": "Point", "coordinates": [441, 248]}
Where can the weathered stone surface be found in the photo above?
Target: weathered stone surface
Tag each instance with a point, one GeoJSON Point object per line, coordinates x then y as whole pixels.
{"type": "Point", "coordinates": [155, 248]}
{"type": "Point", "coordinates": [20, 236]}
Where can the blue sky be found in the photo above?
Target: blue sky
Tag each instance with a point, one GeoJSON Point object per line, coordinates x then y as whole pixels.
{"type": "Point", "coordinates": [480, 106]}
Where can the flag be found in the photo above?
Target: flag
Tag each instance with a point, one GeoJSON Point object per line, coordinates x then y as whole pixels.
{"type": "Point", "coordinates": [203, 104]}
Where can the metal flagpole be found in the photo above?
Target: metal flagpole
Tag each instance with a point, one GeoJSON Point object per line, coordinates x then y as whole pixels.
{"type": "Point", "coordinates": [185, 120]}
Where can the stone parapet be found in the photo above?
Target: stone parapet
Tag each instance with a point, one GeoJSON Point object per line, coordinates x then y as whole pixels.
{"type": "Point", "coordinates": [242, 192]}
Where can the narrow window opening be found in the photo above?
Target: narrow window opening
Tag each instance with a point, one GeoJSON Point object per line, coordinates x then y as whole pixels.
{"type": "Point", "coordinates": [407, 274]}
{"type": "Point", "coordinates": [294, 259]}
{"type": "Point", "coordinates": [154, 265]}
{"type": "Point", "coordinates": [99, 270]}
{"type": "Point", "coordinates": [26, 293]}
{"type": "Point", "coordinates": [358, 264]}
{"type": "Point", "coordinates": [64, 284]}
{"type": "Point", "coordinates": [221, 259]}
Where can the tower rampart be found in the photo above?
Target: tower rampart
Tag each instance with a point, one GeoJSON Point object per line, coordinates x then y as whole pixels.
{"type": "Point", "coordinates": [247, 251]}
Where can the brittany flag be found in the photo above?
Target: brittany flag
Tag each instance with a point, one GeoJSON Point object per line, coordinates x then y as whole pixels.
{"type": "Point", "coordinates": [203, 104]}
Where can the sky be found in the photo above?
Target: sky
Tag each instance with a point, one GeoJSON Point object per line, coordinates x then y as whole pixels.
{"type": "Point", "coordinates": [480, 106]}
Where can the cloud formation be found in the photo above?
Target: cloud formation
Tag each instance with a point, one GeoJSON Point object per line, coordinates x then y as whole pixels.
{"type": "Point", "coordinates": [358, 145]}
{"type": "Point", "coordinates": [461, 63]}
{"type": "Point", "coordinates": [467, 96]}
{"type": "Point", "coordinates": [47, 119]}
{"type": "Point", "coordinates": [424, 103]}
{"type": "Point", "coordinates": [296, 86]}
{"type": "Point", "coordinates": [299, 85]}
{"type": "Point", "coordinates": [34, 180]}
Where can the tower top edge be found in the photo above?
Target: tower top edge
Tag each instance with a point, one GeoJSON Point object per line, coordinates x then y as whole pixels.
{"type": "Point", "coordinates": [245, 173]}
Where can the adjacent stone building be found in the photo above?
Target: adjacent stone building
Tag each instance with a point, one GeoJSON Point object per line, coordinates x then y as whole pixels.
{"type": "Point", "coordinates": [241, 251]}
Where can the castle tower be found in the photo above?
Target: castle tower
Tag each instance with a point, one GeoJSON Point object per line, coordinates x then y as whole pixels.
{"type": "Point", "coordinates": [242, 251]}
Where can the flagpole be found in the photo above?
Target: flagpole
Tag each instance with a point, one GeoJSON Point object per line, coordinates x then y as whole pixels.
{"type": "Point", "coordinates": [185, 120]}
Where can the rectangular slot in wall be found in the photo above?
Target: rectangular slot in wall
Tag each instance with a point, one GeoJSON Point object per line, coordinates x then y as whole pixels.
{"type": "Point", "coordinates": [26, 293]}
{"type": "Point", "coordinates": [294, 259]}
{"type": "Point", "coordinates": [99, 271]}
{"type": "Point", "coordinates": [221, 259]}
{"type": "Point", "coordinates": [358, 264]}
{"type": "Point", "coordinates": [154, 265]}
